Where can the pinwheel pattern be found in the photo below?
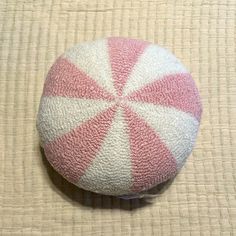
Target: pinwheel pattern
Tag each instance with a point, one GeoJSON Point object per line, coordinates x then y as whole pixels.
{"type": "Point", "coordinates": [118, 116]}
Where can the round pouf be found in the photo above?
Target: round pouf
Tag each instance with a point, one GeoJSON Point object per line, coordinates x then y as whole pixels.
{"type": "Point", "coordinates": [118, 116]}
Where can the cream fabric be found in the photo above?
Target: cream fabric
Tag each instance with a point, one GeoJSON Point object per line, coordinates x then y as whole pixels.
{"type": "Point", "coordinates": [54, 112]}
{"type": "Point", "coordinates": [34, 200]}
{"type": "Point", "coordinates": [162, 63]}
{"type": "Point", "coordinates": [172, 125]}
{"type": "Point", "coordinates": [87, 53]}
{"type": "Point", "coordinates": [112, 165]}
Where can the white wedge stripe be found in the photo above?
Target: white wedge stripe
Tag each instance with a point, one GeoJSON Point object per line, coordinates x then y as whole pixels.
{"type": "Point", "coordinates": [112, 166]}
{"type": "Point", "coordinates": [93, 59]}
{"type": "Point", "coordinates": [177, 129]}
{"type": "Point", "coordinates": [59, 115]}
{"type": "Point", "coordinates": [152, 65]}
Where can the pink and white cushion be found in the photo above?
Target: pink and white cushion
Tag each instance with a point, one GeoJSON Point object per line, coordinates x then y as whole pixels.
{"type": "Point", "coordinates": [118, 116]}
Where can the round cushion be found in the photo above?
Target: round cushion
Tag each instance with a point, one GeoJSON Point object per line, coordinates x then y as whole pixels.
{"type": "Point", "coordinates": [118, 116]}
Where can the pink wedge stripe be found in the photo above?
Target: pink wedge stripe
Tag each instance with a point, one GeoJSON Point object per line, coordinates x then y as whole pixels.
{"type": "Point", "coordinates": [65, 79]}
{"type": "Point", "coordinates": [124, 54]}
{"type": "Point", "coordinates": [178, 91]}
{"type": "Point", "coordinates": [152, 162]}
{"type": "Point", "coordinates": [72, 153]}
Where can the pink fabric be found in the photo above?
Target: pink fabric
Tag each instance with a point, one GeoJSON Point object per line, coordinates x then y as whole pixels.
{"type": "Point", "coordinates": [152, 162]}
{"type": "Point", "coordinates": [65, 79]}
{"type": "Point", "coordinates": [178, 91]}
{"type": "Point", "coordinates": [124, 54]}
{"type": "Point", "coordinates": [72, 153]}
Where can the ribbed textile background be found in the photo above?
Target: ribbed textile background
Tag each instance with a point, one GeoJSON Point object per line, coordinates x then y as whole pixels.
{"type": "Point", "coordinates": [34, 200]}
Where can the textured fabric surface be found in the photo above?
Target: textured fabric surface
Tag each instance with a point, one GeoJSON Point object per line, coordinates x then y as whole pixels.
{"type": "Point", "coordinates": [34, 200]}
{"type": "Point", "coordinates": [118, 151]}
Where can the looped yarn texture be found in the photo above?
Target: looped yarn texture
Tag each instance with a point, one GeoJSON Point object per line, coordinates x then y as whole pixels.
{"type": "Point", "coordinates": [118, 116]}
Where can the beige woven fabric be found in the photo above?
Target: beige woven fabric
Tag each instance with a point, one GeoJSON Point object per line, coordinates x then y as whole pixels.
{"type": "Point", "coordinates": [34, 200]}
